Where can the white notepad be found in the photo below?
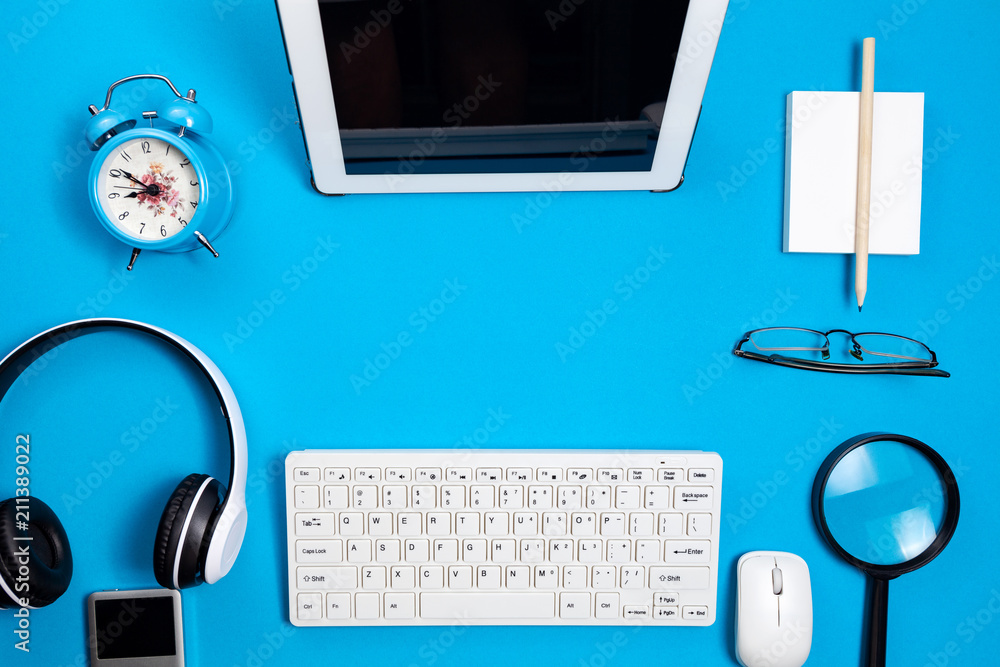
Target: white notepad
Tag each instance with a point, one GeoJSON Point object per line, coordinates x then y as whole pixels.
{"type": "Point", "coordinates": [821, 171]}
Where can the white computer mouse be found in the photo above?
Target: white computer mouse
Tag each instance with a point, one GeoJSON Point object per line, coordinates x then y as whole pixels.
{"type": "Point", "coordinates": [773, 610]}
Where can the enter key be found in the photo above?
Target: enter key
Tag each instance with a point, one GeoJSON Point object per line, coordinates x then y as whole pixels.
{"type": "Point", "coordinates": [687, 552]}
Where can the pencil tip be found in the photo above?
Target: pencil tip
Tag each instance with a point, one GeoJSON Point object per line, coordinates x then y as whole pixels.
{"type": "Point", "coordinates": [859, 309]}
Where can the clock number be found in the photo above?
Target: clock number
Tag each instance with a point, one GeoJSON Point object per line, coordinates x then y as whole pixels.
{"type": "Point", "coordinates": [114, 173]}
{"type": "Point", "coordinates": [168, 150]}
{"type": "Point", "coordinates": [194, 204]}
{"type": "Point", "coordinates": [145, 147]}
{"type": "Point", "coordinates": [184, 223]}
{"type": "Point", "coordinates": [125, 155]}
{"type": "Point", "coordinates": [123, 215]}
{"type": "Point", "coordinates": [142, 226]}
{"type": "Point", "coordinates": [194, 183]}
{"type": "Point", "coordinates": [163, 230]}
{"type": "Point", "coordinates": [185, 163]}
{"type": "Point", "coordinates": [113, 195]}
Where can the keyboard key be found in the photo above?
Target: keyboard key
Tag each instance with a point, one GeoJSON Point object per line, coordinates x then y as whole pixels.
{"type": "Point", "coordinates": [400, 605]}
{"type": "Point", "coordinates": [665, 613]}
{"type": "Point", "coordinates": [678, 578]}
{"type": "Point", "coordinates": [670, 475]}
{"type": "Point", "coordinates": [503, 551]}
{"type": "Point", "coordinates": [540, 497]}
{"type": "Point", "coordinates": [693, 497]}
{"type": "Point", "coordinates": [488, 577]}
{"type": "Point", "coordinates": [644, 475]}
{"type": "Point", "coordinates": [580, 475]}
{"type": "Point", "coordinates": [701, 475]}
{"type": "Point", "coordinates": [638, 612]}
{"type": "Point", "coordinates": [495, 523]}
{"type": "Point", "coordinates": [519, 474]}
{"type": "Point", "coordinates": [467, 523]}
{"type": "Point", "coordinates": [489, 474]}
{"type": "Point", "coordinates": [598, 497]}
{"type": "Point", "coordinates": [417, 551]}
{"type": "Point", "coordinates": [402, 576]}
{"type": "Point", "coordinates": [575, 576]}
{"type": "Point", "coordinates": [310, 606]}
{"type": "Point", "coordinates": [352, 523]}
{"type": "Point", "coordinates": [428, 474]}
{"type": "Point", "coordinates": [452, 497]}
{"type": "Point", "coordinates": [368, 474]}
{"type": "Point", "coordinates": [474, 551]}
{"type": "Point", "coordinates": [694, 612]}
{"type": "Point", "coordinates": [318, 551]}
{"type": "Point", "coordinates": [633, 577]}
{"type": "Point", "coordinates": [481, 497]}
{"type": "Point", "coordinates": [685, 552]}
{"type": "Point", "coordinates": [409, 523]}
{"type": "Point", "coordinates": [628, 497]}
{"type": "Point", "coordinates": [380, 523]}
{"type": "Point", "coordinates": [431, 576]}
{"type": "Point", "coordinates": [306, 497]}
{"type": "Point", "coordinates": [373, 576]}
{"type": "Point", "coordinates": [359, 551]}
{"type": "Point", "coordinates": [335, 497]}
{"type": "Point", "coordinates": [364, 497]}
{"type": "Point", "coordinates": [525, 523]}
{"type": "Point", "coordinates": [445, 551]}
{"type": "Point", "coordinates": [574, 605]}
{"type": "Point", "coordinates": [700, 525]}
{"type": "Point", "coordinates": [438, 523]}
{"type": "Point", "coordinates": [458, 474]}
{"type": "Point", "coordinates": [549, 474]}
{"type": "Point", "coordinates": [305, 475]}
{"type": "Point", "coordinates": [336, 474]}
{"type": "Point", "coordinates": [459, 576]}
{"type": "Point", "coordinates": [610, 475]}
{"type": "Point", "coordinates": [671, 525]}
{"type": "Point", "coordinates": [511, 497]}
{"type": "Point", "coordinates": [393, 497]}
{"type": "Point", "coordinates": [315, 524]}
{"type": "Point", "coordinates": [493, 606]}
{"type": "Point", "coordinates": [424, 497]}
{"type": "Point", "coordinates": [569, 497]}
{"type": "Point", "coordinates": [397, 474]}
{"type": "Point", "coordinates": [657, 498]}
{"type": "Point", "coordinates": [606, 605]}
{"type": "Point", "coordinates": [604, 576]}
{"type": "Point", "coordinates": [326, 578]}
{"type": "Point", "coordinates": [518, 577]}
{"type": "Point", "coordinates": [366, 606]}
{"type": "Point", "coordinates": [387, 551]}
{"type": "Point", "coordinates": [338, 606]}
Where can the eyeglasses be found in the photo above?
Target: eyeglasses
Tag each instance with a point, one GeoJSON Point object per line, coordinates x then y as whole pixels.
{"type": "Point", "coordinates": [812, 351]}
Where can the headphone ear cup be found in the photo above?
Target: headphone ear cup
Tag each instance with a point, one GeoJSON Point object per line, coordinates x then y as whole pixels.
{"type": "Point", "coordinates": [47, 554]}
{"type": "Point", "coordinates": [185, 529]}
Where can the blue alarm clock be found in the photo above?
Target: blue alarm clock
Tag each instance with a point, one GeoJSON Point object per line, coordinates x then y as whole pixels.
{"type": "Point", "coordinates": [166, 189]}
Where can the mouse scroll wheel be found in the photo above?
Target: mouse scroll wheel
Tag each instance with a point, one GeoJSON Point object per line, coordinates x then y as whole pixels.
{"type": "Point", "coordinates": [776, 581]}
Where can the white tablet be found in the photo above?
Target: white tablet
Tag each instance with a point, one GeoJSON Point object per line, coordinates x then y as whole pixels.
{"type": "Point", "coordinates": [498, 95]}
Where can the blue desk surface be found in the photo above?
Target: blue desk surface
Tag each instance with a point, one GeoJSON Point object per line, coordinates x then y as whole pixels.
{"type": "Point", "coordinates": [290, 331]}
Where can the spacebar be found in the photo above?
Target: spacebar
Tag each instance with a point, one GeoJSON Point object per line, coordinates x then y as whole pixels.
{"type": "Point", "coordinates": [487, 605]}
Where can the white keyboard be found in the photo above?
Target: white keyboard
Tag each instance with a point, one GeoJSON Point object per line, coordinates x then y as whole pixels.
{"type": "Point", "coordinates": [511, 537]}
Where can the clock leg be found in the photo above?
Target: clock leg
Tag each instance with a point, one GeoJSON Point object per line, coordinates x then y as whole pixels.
{"type": "Point", "coordinates": [201, 239]}
{"type": "Point", "coordinates": [135, 254]}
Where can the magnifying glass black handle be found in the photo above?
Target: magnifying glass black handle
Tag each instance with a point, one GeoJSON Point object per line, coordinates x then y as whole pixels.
{"type": "Point", "coordinates": [878, 616]}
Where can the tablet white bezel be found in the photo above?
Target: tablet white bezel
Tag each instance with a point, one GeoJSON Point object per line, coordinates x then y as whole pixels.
{"type": "Point", "coordinates": [304, 44]}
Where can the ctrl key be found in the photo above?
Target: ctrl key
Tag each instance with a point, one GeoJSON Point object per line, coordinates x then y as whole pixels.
{"type": "Point", "coordinates": [310, 606]}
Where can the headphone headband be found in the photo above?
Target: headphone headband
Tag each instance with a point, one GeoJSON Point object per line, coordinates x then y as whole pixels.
{"type": "Point", "coordinates": [231, 525]}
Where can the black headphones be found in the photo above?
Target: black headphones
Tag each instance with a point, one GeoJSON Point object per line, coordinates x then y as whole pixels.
{"type": "Point", "coordinates": [201, 528]}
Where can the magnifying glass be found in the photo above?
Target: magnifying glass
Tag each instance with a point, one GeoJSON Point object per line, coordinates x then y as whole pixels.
{"type": "Point", "coordinates": [888, 504]}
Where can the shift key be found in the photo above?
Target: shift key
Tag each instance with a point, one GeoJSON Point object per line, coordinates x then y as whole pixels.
{"type": "Point", "coordinates": [678, 578]}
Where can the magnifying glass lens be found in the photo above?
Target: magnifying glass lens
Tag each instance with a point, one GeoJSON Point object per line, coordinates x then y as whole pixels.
{"type": "Point", "coordinates": [885, 503]}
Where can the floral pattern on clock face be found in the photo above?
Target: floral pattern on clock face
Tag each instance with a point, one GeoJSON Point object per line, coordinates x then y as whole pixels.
{"type": "Point", "coordinates": [150, 190]}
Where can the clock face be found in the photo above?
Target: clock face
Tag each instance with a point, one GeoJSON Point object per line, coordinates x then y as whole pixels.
{"type": "Point", "coordinates": [148, 189]}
